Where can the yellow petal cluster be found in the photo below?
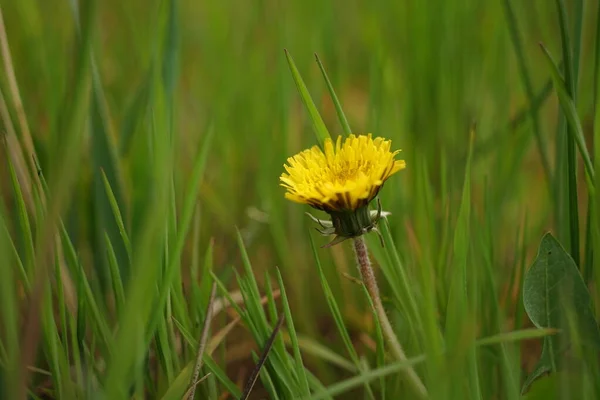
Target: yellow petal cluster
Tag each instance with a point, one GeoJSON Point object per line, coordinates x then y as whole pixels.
{"type": "Point", "coordinates": [343, 178]}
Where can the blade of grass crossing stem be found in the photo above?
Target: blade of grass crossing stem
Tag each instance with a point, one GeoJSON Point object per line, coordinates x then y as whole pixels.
{"type": "Point", "coordinates": [517, 336]}
{"type": "Point", "coordinates": [359, 380]}
{"type": "Point", "coordinates": [318, 125]}
{"type": "Point", "coordinates": [570, 79]}
{"type": "Point", "coordinates": [337, 315]}
{"type": "Point", "coordinates": [186, 219]}
{"type": "Point", "coordinates": [570, 111]}
{"type": "Point", "coordinates": [263, 358]}
{"type": "Point", "coordinates": [528, 85]}
{"type": "Point", "coordinates": [351, 383]}
{"type": "Point", "coordinates": [9, 313]}
{"type": "Point", "coordinates": [299, 366]}
{"type": "Point", "coordinates": [336, 102]}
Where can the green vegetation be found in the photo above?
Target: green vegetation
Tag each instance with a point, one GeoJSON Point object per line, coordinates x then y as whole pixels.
{"type": "Point", "coordinates": [141, 146]}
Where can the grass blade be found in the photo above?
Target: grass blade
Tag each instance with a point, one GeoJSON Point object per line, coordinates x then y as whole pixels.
{"type": "Point", "coordinates": [336, 102]}
{"type": "Point", "coordinates": [570, 84]}
{"type": "Point", "coordinates": [528, 85]}
{"type": "Point", "coordinates": [568, 107]}
{"type": "Point", "coordinates": [318, 125]}
{"type": "Point", "coordinates": [263, 358]}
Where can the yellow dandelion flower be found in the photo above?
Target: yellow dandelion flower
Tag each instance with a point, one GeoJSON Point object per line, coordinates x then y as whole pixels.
{"type": "Point", "coordinates": [342, 180]}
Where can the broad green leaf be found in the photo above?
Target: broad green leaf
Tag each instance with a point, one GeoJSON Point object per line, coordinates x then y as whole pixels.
{"type": "Point", "coordinates": [543, 366]}
{"type": "Point", "coordinates": [552, 286]}
{"type": "Point", "coordinates": [555, 296]}
{"type": "Point", "coordinates": [551, 387]}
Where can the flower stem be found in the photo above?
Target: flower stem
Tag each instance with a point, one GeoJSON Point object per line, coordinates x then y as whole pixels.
{"type": "Point", "coordinates": [368, 278]}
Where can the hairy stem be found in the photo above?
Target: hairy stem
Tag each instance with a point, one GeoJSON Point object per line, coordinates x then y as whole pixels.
{"type": "Point", "coordinates": [368, 278]}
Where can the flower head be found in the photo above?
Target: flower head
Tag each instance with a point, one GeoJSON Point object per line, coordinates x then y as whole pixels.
{"type": "Point", "coordinates": [342, 180]}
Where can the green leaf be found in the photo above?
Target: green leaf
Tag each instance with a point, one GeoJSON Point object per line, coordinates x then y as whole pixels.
{"type": "Point", "coordinates": [555, 296]}
{"type": "Point", "coordinates": [544, 365]}
{"type": "Point", "coordinates": [362, 379]}
{"type": "Point", "coordinates": [319, 126]}
{"type": "Point", "coordinates": [552, 284]}
{"type": "Point", "coordinates": [553, 387]}
{"type": "Point", "coordinates": [516, 336]}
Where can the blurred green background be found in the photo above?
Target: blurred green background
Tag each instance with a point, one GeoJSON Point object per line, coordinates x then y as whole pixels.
{"type": "Point", "coordinates": [138, 89]}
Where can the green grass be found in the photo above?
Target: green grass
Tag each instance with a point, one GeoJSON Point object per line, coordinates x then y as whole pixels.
{"type": "Point", "coordinates": [141, 144]}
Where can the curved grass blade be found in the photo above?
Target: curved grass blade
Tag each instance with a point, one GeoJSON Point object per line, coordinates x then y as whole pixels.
{"type": "Point", "coordinates": [318, 125]}
{"type": "Point", "coordinates": [528, 85]}
{"type": "Point", "coordinates": [570, 80]}
{"type": "Point", "coordinates": [118, 217]}
{"type": "Point", "coordinates": [299, 365]}
{"type": "Point", "coordinates": [263, 358]}
{"type": "Point", "coordinates": [106, 172]}
{"type": "Point", "coordinates": [515, 336]}
{"type": "Point", "coordinates": [336, 102]}
{"type": "Point", "coordinates": [348, 384]}
{"type": "Point", "coordinates": [568, 107]}
{"type": "Point", "coordinates": [185, 222]}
